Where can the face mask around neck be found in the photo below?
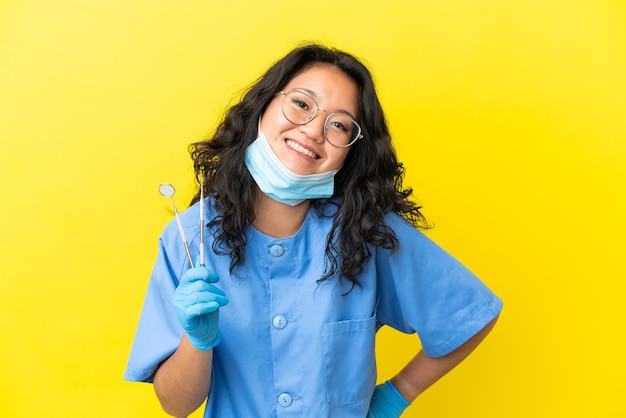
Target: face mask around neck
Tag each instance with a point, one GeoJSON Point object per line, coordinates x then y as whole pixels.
{"type": "Point", "coordinates": [281, 184]}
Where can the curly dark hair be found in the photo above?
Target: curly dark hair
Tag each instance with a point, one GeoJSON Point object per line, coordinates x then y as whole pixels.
{"type": "Point", "coordinates": [368, 186]}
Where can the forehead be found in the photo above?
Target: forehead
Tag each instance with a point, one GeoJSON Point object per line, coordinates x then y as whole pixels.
{"type": "Point", "coordinates": [323, 74]}
{"type": "Point", "coordinates": [328, 85]}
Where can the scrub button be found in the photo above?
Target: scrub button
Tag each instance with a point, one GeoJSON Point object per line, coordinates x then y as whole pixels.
{"type": "Point", "coordinates": [280, 322]}
{"type": "Point", "coordinates": [284, 400]}
{"type": "Point", "coordinates": [277, 250]}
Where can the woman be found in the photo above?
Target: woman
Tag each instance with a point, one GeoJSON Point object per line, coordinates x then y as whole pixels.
{"type": "Point", "coordinates": [313, 247]}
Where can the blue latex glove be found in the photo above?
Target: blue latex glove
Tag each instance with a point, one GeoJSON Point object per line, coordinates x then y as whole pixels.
{"type": "Point", "coordinates": [386, 402]}
{"type": "Point", "coordinates": [197, 304]}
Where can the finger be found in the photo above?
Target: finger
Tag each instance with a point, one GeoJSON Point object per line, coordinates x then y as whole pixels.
{"type": "Point", "coordinates": [212, 289]}
{"type": "Point", "coordinates": [200, 309]}
{"type": "Point", "coordinates": [194, 274]}
{"type": "Point", "coordinates": [213, 277]}
{"type": "Point", "coordinates": [198, 287]}
{"type": "Point", "coordinates": [199, 273]}
{"type": "Point", "coordinates": [206, 297]}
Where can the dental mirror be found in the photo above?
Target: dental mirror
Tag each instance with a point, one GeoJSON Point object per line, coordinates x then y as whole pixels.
{"type": "Point", "coordinates": [202, 220]}
{"type": "Point", "coordinates": [167, 190]}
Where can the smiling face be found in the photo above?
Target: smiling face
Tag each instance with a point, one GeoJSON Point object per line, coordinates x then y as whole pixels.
{"type": "Point", "coordinates": [302, 148]}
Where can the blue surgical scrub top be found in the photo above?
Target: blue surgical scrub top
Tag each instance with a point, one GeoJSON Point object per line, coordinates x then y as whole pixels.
{"type": "Point", "coordinates": [291, 347]}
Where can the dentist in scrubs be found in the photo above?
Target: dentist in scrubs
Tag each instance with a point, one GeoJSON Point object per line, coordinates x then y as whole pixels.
{"type": "Point", "coordinates": [313, 244]}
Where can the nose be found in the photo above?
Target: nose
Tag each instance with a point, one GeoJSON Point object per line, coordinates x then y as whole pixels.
{"type": "Point", "coordinates": [314, 128]}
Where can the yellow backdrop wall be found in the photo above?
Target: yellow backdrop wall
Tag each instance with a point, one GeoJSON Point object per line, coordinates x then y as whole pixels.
{"type": "Point", "coordinates": [510, 117]}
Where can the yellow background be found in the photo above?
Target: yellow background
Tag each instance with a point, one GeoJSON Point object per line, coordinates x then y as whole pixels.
{"type": "Point", "coordinates": [510, 117]}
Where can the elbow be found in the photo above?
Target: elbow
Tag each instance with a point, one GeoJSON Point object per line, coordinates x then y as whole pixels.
{"type": "Point", "coordinates": [174, 401]}
{"type": "Point", "coordinates": [177, 409]}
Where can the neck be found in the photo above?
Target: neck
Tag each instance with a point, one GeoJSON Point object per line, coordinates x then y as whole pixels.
{"type": "Point", "coordinates": [277, 219]}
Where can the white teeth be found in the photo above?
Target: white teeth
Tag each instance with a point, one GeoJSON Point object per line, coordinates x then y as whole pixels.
{"type": "Point", "coordinates": [301, 149]}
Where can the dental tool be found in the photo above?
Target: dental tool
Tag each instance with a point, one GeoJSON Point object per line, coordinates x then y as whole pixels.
{"type": "Point", "coordinates": [167, 190]}
{"type": "Point", "coordinates": [202, 219]}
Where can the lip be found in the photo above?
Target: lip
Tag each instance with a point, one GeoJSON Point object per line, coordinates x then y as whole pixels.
{"type": "Point", "coordinates": [301, 149]}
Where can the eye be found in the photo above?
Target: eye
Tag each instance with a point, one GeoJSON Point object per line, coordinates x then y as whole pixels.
{"type": "Point", "coordinates": [338, 125]}
{"type": "Point", "coordinates": [300, 103]}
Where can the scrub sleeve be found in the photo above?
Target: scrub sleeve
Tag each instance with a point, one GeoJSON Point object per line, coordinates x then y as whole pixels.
{"type": "Point", "coordinates": [423, 289]}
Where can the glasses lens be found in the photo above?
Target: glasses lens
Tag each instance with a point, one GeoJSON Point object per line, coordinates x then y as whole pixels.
{"type": "Point", "coordinates": [299, 107]}
{"type": "Point", "coordinates": [341, 130]}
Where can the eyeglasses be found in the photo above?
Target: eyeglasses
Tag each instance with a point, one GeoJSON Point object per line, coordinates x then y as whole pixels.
{"type": "Point", "coordinates": [340, 130]}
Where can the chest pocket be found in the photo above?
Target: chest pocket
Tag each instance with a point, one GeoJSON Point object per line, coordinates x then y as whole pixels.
{"type": "Point", "coordinates": [349, 360]}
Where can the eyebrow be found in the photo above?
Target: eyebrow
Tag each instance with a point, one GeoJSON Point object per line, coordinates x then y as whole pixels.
{"type": "Point", "coordinates": [314, 95]}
